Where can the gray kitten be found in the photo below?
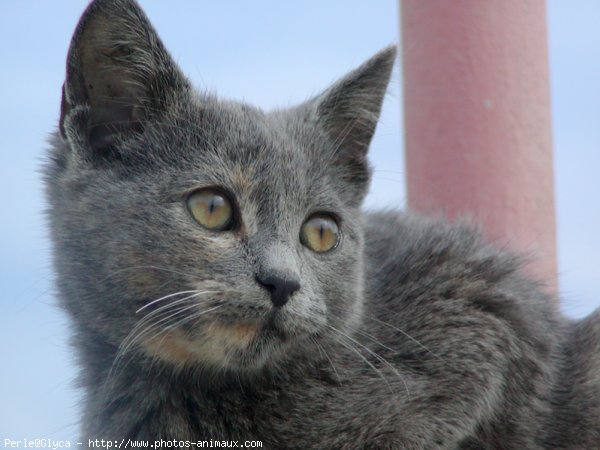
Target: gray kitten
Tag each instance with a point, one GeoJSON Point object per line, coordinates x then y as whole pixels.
{"type": "Point", "coordinates": [223, 282]}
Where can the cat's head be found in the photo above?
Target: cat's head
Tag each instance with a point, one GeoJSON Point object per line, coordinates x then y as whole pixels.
{"type": "Point", "coordinates": [198, 231]}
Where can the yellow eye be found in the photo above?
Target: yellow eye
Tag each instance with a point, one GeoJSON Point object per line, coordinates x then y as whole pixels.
{"type": "Point", "coordinates": [211, 209]}
{"type": "Point", "coordinates": [320, 233]}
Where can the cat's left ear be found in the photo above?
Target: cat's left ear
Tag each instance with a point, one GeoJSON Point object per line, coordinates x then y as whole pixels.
{"type": "Point", "coordinates": [119, 72]}
{"type": "Point", "coordinates": [349, 111]}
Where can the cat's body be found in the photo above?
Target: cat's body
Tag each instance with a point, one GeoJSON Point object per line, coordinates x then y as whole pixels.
{"type": "Point", "coordinates": [379, 331]}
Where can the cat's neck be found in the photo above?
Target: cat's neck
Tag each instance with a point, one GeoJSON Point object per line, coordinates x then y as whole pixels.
{"type": "Point", "coordinates": [140, 392]}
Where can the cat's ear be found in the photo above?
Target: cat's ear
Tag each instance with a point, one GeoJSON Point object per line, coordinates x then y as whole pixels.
{"type": "Point", "coordinates": [349, 111]}
{"type": "Point", "coordinates": [119, 72]}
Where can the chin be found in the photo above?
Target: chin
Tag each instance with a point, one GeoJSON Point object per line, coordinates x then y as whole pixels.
{"type": "Point", "coordinates": [242, 345]}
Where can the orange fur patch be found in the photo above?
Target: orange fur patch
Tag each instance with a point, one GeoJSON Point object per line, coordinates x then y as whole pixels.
{"type": "Point", "coordinates": [212, 346]}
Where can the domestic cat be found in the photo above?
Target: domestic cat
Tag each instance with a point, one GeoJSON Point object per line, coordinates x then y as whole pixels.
{"type": "Point", "coordinates": [223, 282]}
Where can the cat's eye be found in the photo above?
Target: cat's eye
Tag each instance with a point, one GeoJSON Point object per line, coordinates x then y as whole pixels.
{"type": "Point", "coordinates": [211, 209]}
{"type": "Point", "coordinates": [320, 233]}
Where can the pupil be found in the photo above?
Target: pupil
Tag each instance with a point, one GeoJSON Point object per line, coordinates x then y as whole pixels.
{"type": "Point", "coordinates": [211, 206]}
{"type": "Point", "coordinates": [321, 231]}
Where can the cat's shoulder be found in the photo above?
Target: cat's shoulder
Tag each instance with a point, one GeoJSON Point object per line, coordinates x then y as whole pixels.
{"type": "Point", "coordinates": [417, 263]}
{"type": "Point", "coordinates": [408, 244]}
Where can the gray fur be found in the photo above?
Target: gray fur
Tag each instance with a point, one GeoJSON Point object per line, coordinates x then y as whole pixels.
{"type": "Point", "coordinates": [410, 334]}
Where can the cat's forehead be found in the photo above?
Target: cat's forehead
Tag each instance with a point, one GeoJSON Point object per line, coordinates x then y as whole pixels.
{"type": "Point", "coordinates": [242, 134]}
{"type": "Point", "coordinates": [267, 157]}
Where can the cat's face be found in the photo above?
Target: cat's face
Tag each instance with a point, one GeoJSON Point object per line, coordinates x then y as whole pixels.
{"type": "Point", "coordinates": [198, 231]}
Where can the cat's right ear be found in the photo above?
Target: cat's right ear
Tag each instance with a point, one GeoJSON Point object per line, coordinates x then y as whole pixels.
{"type": "Point", "coordinates": [119, 75]}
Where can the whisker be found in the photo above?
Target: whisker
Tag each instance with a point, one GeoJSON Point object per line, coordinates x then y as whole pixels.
{"type": "Point", "coordinates": [141, 328]}
{"type": "Point", "coordinates": [151, 316]}
{"type": "Point", "coordinates": [183, 321]}
{"type": "Point", "coordinates": [133, 339]}
{"type": "Point", "coordinates": [378, 357]}
{"type": "Point", "coordinates": [190, 318]}
{"type": "Point", "coordinates": [416, 341]}
{"type": "Point", "coordinates": [375, 340]}
{"type": "Point", "coordinates": [145, 325]}
{"type": "Point", "coordinates": [157, 313]}
{"type": "Point", "coordinates": [377, 371]}
{"type": "Point", "coordinates": [154, 325]}
{"type": "Point", "coordinates": [387, 179]}
{"type": "Point", "coordinates": [324, 352]}
{"type": "Point", "coordinates": [168, 296]}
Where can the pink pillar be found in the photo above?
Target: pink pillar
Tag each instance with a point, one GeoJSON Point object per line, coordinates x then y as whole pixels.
{"type": "Point", "coordinates": [477, 118]}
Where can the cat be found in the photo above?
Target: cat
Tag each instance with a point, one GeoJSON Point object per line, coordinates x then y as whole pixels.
{"type": "Point", "coordinates": [224, 283]}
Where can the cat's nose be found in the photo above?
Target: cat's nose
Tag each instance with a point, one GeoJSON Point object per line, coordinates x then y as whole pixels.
{"type": "Point", "coordinates": [281, 289]}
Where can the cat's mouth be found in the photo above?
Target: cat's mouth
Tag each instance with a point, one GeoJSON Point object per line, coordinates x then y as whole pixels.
{"type": "Point", "coordinates": [274, 326]}
{"type": "Point", "coordinates": [222, 343]}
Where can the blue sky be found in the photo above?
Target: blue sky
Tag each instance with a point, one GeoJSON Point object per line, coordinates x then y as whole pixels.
{"type": "Point", "coordinates": [270, 54]}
